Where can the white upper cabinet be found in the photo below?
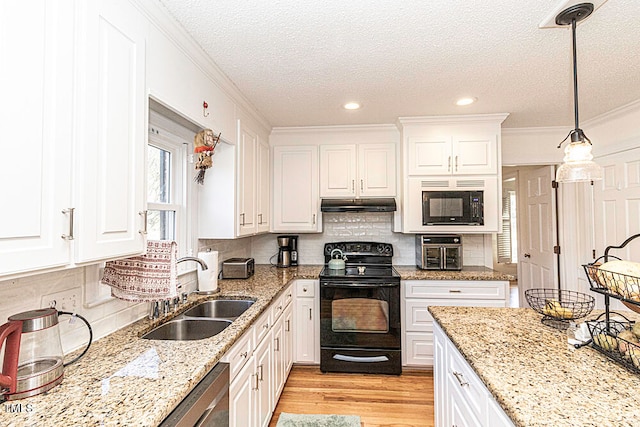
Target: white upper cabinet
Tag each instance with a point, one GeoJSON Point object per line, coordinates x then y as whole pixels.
{"type": "Point", "coordinates": [263, 187]}
{"type": "Point", "coordinates": [295, 189]}
{"type": "Point", "coordinates": [111, 128]}
{"type": "Point", "coordinates": [79, 98]}
{"type": "Point", "coordinates": [457, 153]}
{"type": "Point", "coordinates": [36, 82]}
{"type": "Point", "coordinates": [365, 170]}
{"type": "Point", "coordinates": [247, 171]}
{"type": "Point", "coordinates": [235, 197]}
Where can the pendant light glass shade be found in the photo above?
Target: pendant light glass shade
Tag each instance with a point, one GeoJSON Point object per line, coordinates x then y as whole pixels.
{"type": "Point", "coordinates": [578, 165]}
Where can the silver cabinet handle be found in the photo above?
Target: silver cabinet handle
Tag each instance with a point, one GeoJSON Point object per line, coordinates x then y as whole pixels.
{"type": "Point", "coordinates": [261, 372]}
{"type": "Point", "coordinates": [310, 318]}
{"type": "Point", "coordinates": [69, 211]}
{"type": "Point", "coordinates": [314, 219]}
{"type": "Point", "coordinates": [144, 214]}
{"type": "Point", "coordinates": [455, 291]}
{"type": "Point", "coordinates": [244, 354]}
{"type": "Point", "coordinates": [242, 220]}
{"type": "Point", "coordinates": [353, 185]}
{"type": "Point", "coordinates": [288, 327]}
{"type": "Point", "coordinates": [456, 163]}
{"type": "Point", "coordinates": [449, 164]}
{"type": "Point", "coordinates": [257, 383]}
{"type": "Point", "coordinates": [260, 219]}
{"type": "Point", "coordinates": [277, 344]}
{"type": "Point", "coordinates": [361, 184]}
{"type": "Point", "coordinates": [460, 378]}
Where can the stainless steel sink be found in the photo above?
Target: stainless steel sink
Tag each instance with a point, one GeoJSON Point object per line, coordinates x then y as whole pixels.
{"type": "Point", "coordinates": [219, 309]}
{"type": "Point", "coordinates": [187, 329]}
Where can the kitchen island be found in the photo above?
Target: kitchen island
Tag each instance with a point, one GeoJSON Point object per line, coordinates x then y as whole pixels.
{"type": "Point", "coordinates": [533, 375]}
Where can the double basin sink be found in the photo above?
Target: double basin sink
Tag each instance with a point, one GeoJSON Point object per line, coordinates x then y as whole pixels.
{"type": "Point", "coordinates": [205, 320]}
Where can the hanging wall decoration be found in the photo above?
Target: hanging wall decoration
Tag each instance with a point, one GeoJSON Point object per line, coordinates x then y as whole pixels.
{"type": "Point", "coordinates": [203, 145]}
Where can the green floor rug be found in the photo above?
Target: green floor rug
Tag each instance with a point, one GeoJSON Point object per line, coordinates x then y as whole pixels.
{"type": "Point", "coordinates": [313, 420]}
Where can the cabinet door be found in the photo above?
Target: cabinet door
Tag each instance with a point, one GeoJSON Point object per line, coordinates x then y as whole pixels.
{"type": "Point", "coordinates": [263, 187]}
{"type": "Point", "coordinates": [440, 395]}
{"type": "Point", "coordinates": [278, 347]}
{"type": "Point", "coordinates": [475, 154]}
{"type": "Point", "coordinates": [36, 83]}
{"type": "Point", "coordinates": [288, 340]}
{"type": "Point", "coordinates": [246, 191]}
{"type": "Point", "coordinates": [307, 336]}
{"type": "Point", "coordinates": [429, 155]}
{"type": "Point", "coordinates": [338, 171]}
{"type": "Point", "coordinates": [242, 397]}
{"type": "Point", "coordinates": [295, 188]}
{"type": "Point", "coordinates": [263, 363]}
{"type": "Point", "coordinates": [376, 170]}
{"type": "Point", "coordinates": [459, 413]}
{"type": "Point", "coordinates": [112, 137]}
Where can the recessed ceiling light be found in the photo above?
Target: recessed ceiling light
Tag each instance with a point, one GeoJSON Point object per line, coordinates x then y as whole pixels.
{"type": "Point", "coordinates": [351, 106]}
{"type": "Point", "coordinates": [466, 101]}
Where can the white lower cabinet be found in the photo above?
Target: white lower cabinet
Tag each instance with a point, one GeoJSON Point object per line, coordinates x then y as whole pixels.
{"type": "Point", "coordinates": [418, 295]}
{"type": "Point", "coordinates": [260, 362]}
{"type": "Point", "coordinates": [307, 322]}
{"type": "Point", "coordinates": [461, 398]}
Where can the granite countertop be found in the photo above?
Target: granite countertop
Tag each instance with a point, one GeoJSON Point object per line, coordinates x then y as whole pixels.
{"type": "Point", "coordinates": [128, 381]}
{"type": "Point", "coordinates": [411, 272]}
{"type": "Point", "coordinates": [532, 373]}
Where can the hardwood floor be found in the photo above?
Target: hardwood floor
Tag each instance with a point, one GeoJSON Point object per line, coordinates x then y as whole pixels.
{"type": "Point", "coordinates": [379, 400]}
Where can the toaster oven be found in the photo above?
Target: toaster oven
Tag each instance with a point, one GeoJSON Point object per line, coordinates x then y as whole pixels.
{"type": "Point", "coordinates": [238, 268]}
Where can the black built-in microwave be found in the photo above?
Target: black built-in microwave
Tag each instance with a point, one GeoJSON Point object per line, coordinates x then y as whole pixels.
{"type": "Point", "coordinates": [452, 208]}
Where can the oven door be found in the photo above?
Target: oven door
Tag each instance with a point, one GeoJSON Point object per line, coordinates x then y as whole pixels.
{"type": "Point", "coordinates": [359, 315]}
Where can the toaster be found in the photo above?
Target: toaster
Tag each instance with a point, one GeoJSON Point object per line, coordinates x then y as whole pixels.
{"type": "Point", "coordinates": [238, 268]}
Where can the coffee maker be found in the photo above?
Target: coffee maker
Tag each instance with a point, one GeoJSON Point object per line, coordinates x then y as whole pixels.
{"type": "Point", "coordinates": [287, 251]}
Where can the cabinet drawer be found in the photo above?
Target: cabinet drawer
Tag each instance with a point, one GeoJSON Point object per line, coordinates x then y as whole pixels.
{"type": "Point", "coordinates": [277, 308]}
{"type": "Point", "coordinates": [305, 288]}
{"type": "Point", "coordinates": [287, 296]}
{"type": "Point", "coordinates": [417, 317]}
{"type": "Point", "coordinates": [261, 327]}
{"type": "Point", "coordinates": [238, 355]}
{"type": "Point", "coordinates": [419, 349]}
{"type": "Point", "coordinates": [454, 289]}
{"type": "Point", "coordinates": [466, 382]}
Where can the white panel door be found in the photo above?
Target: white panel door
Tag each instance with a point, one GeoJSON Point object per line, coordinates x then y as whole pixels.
{"type": "Point", "coordinates": [288, 339]}
{"type": "Point", "coordinates": [338, 171]}
{"type": "Point", "coordinates": [246, 191]}
{"type": "Point", "coordinates": [295, 188]}
{"type": "Point", "coordinates": [617, 204]}
{"type": "Point", "coordinates": [376, 170]}
{"type": "Point", "coordinates": [278, 347]}
{"type": "Point", "coordinates": [36, 106]}
{"type": "Point", "coordinates": [112, 137]}
{"type": "Point", "coordinates": [307, 338]}
{"type": "Point", "coordinates": [263, 187]}
{"type": "Point", "coordinates": [537, 263]}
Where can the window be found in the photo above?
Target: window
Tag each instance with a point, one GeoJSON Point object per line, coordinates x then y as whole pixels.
{"type": "Point", "coordinates": [508, 237]}
{"type": "Point", "coordinates": [167, 191]}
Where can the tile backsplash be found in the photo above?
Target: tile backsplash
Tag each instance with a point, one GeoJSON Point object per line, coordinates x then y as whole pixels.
{"type": "Point", "coordinates": [370, 227]}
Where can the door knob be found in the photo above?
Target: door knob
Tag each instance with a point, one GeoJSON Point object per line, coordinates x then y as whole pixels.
{"type": "Point", "coordinates": [527, 255]}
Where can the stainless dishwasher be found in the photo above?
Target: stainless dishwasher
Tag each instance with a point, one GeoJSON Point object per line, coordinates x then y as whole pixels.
{"type": "Point", "coordinates": [207, 405]}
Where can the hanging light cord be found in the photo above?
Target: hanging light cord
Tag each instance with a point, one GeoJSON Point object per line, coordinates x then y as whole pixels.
{"type": "Point", "coordinates": [579, 134]}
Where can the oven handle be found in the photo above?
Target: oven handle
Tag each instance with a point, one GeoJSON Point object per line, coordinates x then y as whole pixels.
{"type": "Point", "coordinates": [360, 359]}
{"type": "Point", "coordinates": [359, 285]}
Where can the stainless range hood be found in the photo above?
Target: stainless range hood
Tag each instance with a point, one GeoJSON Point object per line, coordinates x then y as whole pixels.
{"type": "Point", "coordinates": [358, 205]}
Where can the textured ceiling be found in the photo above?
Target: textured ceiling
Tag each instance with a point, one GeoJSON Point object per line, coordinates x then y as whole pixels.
{"type": "Point", "coordinates": [299, 61]}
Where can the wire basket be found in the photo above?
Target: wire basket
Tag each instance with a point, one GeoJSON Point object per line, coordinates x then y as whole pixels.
{"type": "Point", "coordinates": [616, 284]}
{"type": "Point", "coordinates": [615, 339]}
{"type": "Point", "coordinates": [559, 307]}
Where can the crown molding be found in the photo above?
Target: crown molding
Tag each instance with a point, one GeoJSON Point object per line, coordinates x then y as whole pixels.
{"type": "Point", "coordinates": [334, 128]}
{"type": "Point", "coordinates": [453, 119]}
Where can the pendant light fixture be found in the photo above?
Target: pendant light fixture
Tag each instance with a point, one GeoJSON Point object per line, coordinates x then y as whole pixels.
{"type": "Point", "coordinates": [578, 163]}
